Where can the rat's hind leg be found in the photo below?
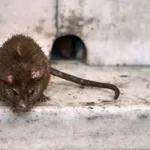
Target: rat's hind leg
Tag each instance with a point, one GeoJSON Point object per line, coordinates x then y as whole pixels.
{"type": "Point", "coordinates": [43, 98]}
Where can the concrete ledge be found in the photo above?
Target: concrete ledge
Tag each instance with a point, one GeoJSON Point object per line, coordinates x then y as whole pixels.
{"type": "Point", "coordinates": [77, 128]}
{"type": "Point", "coordinates": [84, 118]}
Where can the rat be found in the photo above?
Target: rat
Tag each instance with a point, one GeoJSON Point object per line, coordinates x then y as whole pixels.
{"type": "Point", "coordinates": [68, 47]}
{"type": "Point", "coordinates": [25, 72]}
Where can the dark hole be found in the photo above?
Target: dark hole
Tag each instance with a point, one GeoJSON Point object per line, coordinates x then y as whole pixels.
{"type": "Point", "coordinates": [68, 47]}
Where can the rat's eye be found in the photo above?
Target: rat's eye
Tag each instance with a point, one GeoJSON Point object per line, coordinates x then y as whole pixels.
{"type": "Point", "coordinates": [15, 92]}
{"type": "Point", "coordinates": [31, 92]}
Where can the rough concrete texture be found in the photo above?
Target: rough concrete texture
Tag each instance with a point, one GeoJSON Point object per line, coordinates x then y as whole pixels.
{"type": "Point", "coordinates": [114, 31]}
{"type": "Point", "coordinates": [117, 29]}
{"type": "Point", "coordinates": [84, 118]}
{"type": "Point", "coordinates": [35, 18]}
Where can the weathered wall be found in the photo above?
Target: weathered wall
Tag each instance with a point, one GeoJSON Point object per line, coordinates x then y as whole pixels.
{"type": "Point", "coordinates": [35, 18]}
{"type": "Point", "coordinates": [115, 32]}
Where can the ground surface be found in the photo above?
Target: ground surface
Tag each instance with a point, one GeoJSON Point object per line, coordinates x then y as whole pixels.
{"type": "Point", "coordinates": [133, 82]}
{"type": "Point", "coordinates": [84, 118]}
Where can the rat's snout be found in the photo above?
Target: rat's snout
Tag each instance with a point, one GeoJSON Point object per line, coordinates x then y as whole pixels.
{"type": "Point", "coordinates": [22, 106]}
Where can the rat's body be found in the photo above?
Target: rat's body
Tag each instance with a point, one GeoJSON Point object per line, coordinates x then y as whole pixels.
{"type": "Point", "coordinates": [25, 74]}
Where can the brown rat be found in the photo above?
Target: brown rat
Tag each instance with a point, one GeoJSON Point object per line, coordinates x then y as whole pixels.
{"type": "Point", "coordinates": [25, 74]}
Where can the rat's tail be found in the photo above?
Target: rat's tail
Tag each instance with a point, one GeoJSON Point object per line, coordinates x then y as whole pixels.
{"type": "Point", "coordinates": [85, 82]}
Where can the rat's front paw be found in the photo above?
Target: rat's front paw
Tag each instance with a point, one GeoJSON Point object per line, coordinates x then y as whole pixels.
{"type": "Point", "coordinates": [44, 99]}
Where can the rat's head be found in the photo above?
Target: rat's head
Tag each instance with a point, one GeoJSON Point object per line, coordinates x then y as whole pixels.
{"type": "Point", "coordinates": [22, 91]}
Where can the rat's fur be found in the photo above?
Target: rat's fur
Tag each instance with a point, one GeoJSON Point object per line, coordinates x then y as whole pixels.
{"type": "Point", "coordinates": [25, 74]}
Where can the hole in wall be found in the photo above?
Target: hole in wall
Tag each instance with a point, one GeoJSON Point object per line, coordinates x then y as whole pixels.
{"type": "Point", "coordinates": [68, 47]}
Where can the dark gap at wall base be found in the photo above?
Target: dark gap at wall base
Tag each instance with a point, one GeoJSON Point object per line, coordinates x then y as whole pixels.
{"type": "Point", "coordinates": [68, 47]}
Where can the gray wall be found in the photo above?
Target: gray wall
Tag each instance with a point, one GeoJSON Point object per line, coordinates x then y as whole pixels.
{"type": "Point", "coordinates": [114, 31]}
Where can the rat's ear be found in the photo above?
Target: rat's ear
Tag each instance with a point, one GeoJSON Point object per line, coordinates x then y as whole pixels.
{"type": "Point", "coordinates": [8, 79]}
{"type": "Point", "coordinates": [37, 73]}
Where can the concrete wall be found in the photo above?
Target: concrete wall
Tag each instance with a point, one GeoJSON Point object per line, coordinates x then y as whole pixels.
{"type": "Point", "coordinates": [115, 32]}
{"type": "Point", "coordinates": [35, 18]}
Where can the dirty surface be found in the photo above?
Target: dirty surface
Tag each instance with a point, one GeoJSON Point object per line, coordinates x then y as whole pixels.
{"type": "Point", "coordinates": [133, 82]}
{"type": "Point", "coordinates": [40, 26]}
{"type": "Point", "coordinates": [84, 118]}
{"type": "Point", "coordinates": [118, 29]}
